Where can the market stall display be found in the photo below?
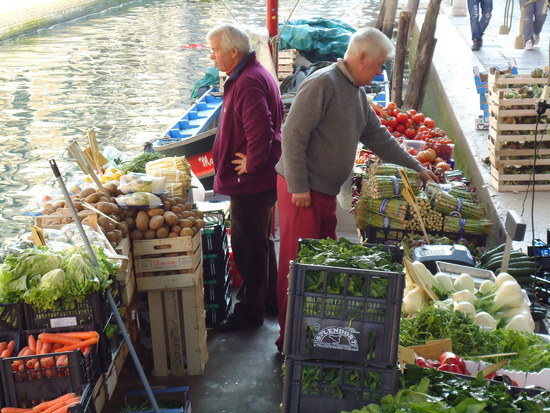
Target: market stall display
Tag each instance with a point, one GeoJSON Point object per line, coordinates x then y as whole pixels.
{"type": "Point", "coordinates": [517, 143]}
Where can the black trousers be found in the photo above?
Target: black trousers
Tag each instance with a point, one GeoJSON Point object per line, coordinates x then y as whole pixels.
{"type": "Point", "coordinates": [254, 252]}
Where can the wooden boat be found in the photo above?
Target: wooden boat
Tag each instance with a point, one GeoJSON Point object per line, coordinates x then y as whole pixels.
{"type": "Point", "coordinates": [192, 135]}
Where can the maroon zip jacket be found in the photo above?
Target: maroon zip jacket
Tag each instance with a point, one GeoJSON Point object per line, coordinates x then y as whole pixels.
{"type": "Point", "coordinates": [250, 123]}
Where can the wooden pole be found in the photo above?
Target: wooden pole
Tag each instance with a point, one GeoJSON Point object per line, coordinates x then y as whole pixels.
{"type": "Point", "coordinates": [400, 57]}
{"type": "Point", "coordinates": [412, 7]}
{"type": "Point", "coordinates": [380, 19]}
{"type": "Point", "coordinates": [389, 18]}
{"type": "Point", "coordinates": [423, 60]}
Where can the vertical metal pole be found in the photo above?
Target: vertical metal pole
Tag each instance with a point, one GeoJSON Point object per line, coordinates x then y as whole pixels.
{"type": "Point", "coordinates": [112, 303]}
{"type": "Point", "coordinates": [272, 24]}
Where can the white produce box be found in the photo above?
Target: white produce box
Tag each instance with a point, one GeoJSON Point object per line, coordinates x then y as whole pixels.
{"type": "Point", "coordinates": [454, 270]}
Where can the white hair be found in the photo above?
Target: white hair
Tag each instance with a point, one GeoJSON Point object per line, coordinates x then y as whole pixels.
{"type": "Point", "coordinates": [231, 36]}
{"type": "Point", "coordinates": [371, 41]}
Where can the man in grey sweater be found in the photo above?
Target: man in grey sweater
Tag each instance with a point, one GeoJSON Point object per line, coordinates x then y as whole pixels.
{"type": "Point", "coordinates": [330, 115]}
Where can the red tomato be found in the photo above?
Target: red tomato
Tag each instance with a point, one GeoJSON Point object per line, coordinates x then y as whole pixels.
{"type": "Point", "coordinates": [400, 128]}
{"type": "Point", "coordinates": [391, 106]}
{"type": "Point", "coordinates": [418, 118]}
{"type": "Point", "coordinates": [393, 122]}
{"type": "Point", "coordinates": [412, 112]}
{"type": "Point", "coordinates": [410, 133]}
{"type": "Point", "coordinates": [453, 368]}
{"type": "Point", "coordinates": [402, 118]}
{"type": "Point", "coordinates": [429, 122]}
{"type": "Point", "coordinates": [389, 128]}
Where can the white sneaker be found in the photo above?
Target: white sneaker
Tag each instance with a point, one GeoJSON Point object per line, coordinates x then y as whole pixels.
{"type": "Point", "coordinates": [536, 38]}
{"type": "Point", "coordinates": [529, 45]}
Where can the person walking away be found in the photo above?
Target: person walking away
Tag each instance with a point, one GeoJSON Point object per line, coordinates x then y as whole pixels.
{"type": "Point", "coordinates": [330, 115]}
{"type": "Point", "coordinates": [534, 17]}
{"type": "Point", "coordinates": [480, 16]}
{"type": "Point", "coordinates": [246, 149]}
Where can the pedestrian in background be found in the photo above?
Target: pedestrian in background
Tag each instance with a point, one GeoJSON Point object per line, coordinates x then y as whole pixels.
{"type": "Point", "coordinates": [245, 151]}
{"type": "Point", "coordinates": [534, 16]}
{"type": "Point", "coordinates": [328, 118]}
{"type": "Point", "coordinates": [480, 16]}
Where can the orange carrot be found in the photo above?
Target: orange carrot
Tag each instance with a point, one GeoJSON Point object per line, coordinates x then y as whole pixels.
{"type": "Point", "coordinates": [31, 363]}
{"type": "Point", "coordinates": [48, 403]}
{"type": "Point", "coordinates": [62, 361]}
{"type": "Point", "coordinates": [32, 343]}
{"type": "Point", "coordinates": [23, 351]}
{"type": "Point", "coordinates": [56, 346]}
{"type": "Point", "coordinates": [83, 335]}
{"type": "Point", "coordinates": [3, 346]}
{"type": "Point", "coordinates": [46, 362]}
{"type": "Point", "coordinates": [58, 338]}
{"type": "Point", "coordinates": [81, 344]}
{"type": "Point", "coordinates": [14, 410]}
{"type": "Point", "coordinates": [69, 403]}
{"type": "Point", "coordinates": [54, 407]}
{"type": "Point", "coordinates": [39, 345]}
{"type": "Point", "coordinates": [86, 349]}
{"type": "Point", "coordinates": [46, 348]}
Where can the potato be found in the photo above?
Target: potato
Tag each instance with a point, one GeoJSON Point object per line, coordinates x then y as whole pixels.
{"type": "Point", "coordinates": [166, 206]}
{"type": "Point", "coordinates": [149, 234]}
{"type": "Point", "coordinates": [87, 192]}
{"type": "Point", "coordinates": [188, 206]}
{"type": "Point", "coordinates": [172, 201]}
{"type": "Point", "coordinates": [195, 230]}
{"type": "Point", "coordinates": [173, 235]}
{"type": "Point", "coordinates": [49, 205]}
{"type": "Point", "coordinates": [106, 224]}
{"type": "Point", "coordinates": [192, 219]}
{"type": "Point", "coordinates": [176, 229]}
{"type": "Point", "coordinates": [156, 222]}
{"type": "Point", "coordinates": [178, 199]}
{"type": "Point", "coordinates": [67, 220]}
{"type": "Point", "coordinates": [136, 234]}
{"type": "Point", "coordinates": [78, 205]}
{"type": "Point", "coordinates": [198, 214]}
{"type": "Point", "coordinates": [123, 228]}
{"type": "Point", "coordinates": [111, 187]}
{"type": "Point", "coordinates": [186, 214]}
{"type": "Point", "coordinates": [60, 204]}
{"type": "Point", "coordinates": [185, 223]}
{"type": "Point", "coordinates": [163, 232]}
{"type": "Point", "coordinates": [175, 209]}
{"type": "Point", "coordinates": [92, 198]}
{"type": "Point", "coordinates": [130, 222]}
{"type": "Point", "coordinates": [199, 223]}
{"type": "Point", "coordinates": [103, 198]}
{"type": "Point", "coordinates": [111, 237]}
{"type": "Point", "coordinates": [142, 221]}
{"type": "Point", "coordinates": [155, 211]}
{"type": "Point", "coordinates": [105, 207]}
{"type": "Point", "coordinates": [186, 232]}
{"type": "Point", "coordinates": [170, 218]}
{"type": "Point", "coordinates": [130, 212]}
{"type": "Point", "coordinates": [47, 211]}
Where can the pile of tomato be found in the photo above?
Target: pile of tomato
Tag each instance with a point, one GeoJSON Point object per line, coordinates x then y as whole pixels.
{"type": "Point", "coordinates": [413, 125]}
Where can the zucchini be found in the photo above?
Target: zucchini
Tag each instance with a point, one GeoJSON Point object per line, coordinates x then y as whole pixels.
{"type": "Point", "coordinates": [496, 261]}
{"type": "Point", "coordinates": [521, 272]}
{"type": "Point", "coordinates": [491, 252]}
{"type": "Point", "coordinates": [524, 280]}
{"type": "Point", "coordinates": [538, 313]}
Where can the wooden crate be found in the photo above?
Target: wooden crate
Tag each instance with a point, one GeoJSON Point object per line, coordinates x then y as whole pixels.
{"type": "Point", "coordinates": [178, 330]}
{"type": "Point", "coordinates": [286, 63]}
{"type": "Point", "coordinates": [181, 257]}
{"type": "Point", "coordinates": [511, 138]}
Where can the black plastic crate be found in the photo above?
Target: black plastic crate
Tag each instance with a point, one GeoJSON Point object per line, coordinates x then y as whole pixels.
{"type": "Point", "coordinates": [217, 312]}
{"type": "Point", "coordinates": [215, 289]}
{"type": "Point", "coordinates": [214, 238]}
{"type": "Point", "coordinates": [86, 404]}
{"type": "Point", "coordinates": [328, 319]}
{"type": "Point", "coordinates": [12, 317]}
{"type": "Point", "coordinates": [29, 386]}
{"type": "Point", "coordinates": [94, 310]}
{"type": "Point", "coordinates": [215, 266]}
{"type": "Point", "coordinates": [109, 343]}
{"type": "Point", "coordinates": [176, 396]}
{"type": "Point", "coordinates": [318, 386]}
{"type": "Point", "coordinates": [389, 236]}
{"type": "Point", "coordinates": [7, 336]}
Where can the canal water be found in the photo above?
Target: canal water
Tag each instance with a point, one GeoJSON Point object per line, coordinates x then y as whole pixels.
{"type": "Point", "coordinates": [126, 72]}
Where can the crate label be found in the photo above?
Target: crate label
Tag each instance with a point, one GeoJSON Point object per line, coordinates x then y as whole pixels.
{"type": "Point", "coordinates": [63, 322]}
{"type": "Point", "coordinates": [165, 263]}
{"type": "Point", "coordinates": [336, 338]}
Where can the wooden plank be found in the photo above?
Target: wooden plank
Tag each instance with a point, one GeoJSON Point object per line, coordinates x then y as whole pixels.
{"type": "Point", "coordinates": [171, 263]}
{"type": "Point", "coordinates": [504, 182]}
{"type": "Point", "coordinates": [99, 394]}
{"type": "Point", "coordinates": [166, 245]}
{"type": "Point", "coordinates": [195, 331]}
{"type": "Point", "coordinates": [111, 377]}
{"type": "Point", "coordinates": [175, 334]}
{"type": "Point", "coordinates": [160, 357]}
{"type": "Point", "coordinates": [170, 282]}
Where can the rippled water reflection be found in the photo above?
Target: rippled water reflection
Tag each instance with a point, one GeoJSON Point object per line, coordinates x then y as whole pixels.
{"type": "Point", "coordinates": [122, 72]}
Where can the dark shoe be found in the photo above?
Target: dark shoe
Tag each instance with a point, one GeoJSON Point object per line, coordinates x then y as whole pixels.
{"type": "Point", "coordinates": [476, 46]}
{"type": "Point", "coordinates": [235, 322]}
{"type": "Point", "coordinates": [271, 310]}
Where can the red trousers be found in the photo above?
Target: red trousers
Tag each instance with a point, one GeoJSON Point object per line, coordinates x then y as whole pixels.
{"type": "Point", "coordinates": [316, 222]}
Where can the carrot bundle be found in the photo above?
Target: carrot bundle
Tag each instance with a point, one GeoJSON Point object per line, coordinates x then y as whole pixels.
{"type": "Point", "coordinates": [60, 404]}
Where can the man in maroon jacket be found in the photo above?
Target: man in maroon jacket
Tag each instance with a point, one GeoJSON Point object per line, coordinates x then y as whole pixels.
{"type": "Point", "coordinates": [246, 149]}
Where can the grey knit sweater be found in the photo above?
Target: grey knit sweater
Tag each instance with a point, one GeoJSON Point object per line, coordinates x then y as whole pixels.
{"type": "Point", "coordinates": [327, 119]}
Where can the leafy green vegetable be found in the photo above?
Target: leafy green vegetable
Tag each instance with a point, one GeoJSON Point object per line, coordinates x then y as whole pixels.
{"type": "Point", "coordinates": [52, 280]}
{"type": "Point", "coordinates": [138, 163]}
{"type": "Point", "coordinates": [470, 340]}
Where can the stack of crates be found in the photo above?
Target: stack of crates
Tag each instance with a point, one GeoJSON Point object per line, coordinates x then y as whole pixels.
{"type": "Point", "coordinates": [217, 291]}
{"type": "Point", "coordinates": [341, 348]}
